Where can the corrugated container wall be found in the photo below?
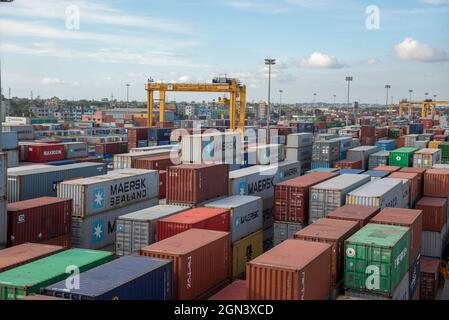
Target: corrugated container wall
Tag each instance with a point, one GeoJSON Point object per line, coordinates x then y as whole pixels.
{"type": "Point", "coordinates": [436, 183]}
{"type": "Point", "coordinates": [245, 250]}
{"type": "Point", "coordinates": [378, 193]}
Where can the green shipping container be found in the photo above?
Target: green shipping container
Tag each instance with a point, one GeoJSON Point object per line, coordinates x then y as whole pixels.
{"type": "Point", "coordinates": [30, 278]}
{"type": "Point", "coordinates": [394, 133]}
{"type": "Point", "coordinates": [444, 147]}
{"type": "Point", "coordinates": [377, 258]}
{"type": "Point", "coordinates": [402, 157]}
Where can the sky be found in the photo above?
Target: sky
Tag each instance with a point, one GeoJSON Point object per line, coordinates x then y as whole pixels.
{"type": "Point", "coordinates": [92, 49]}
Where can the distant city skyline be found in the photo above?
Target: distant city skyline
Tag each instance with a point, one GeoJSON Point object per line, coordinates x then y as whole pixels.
{"type": "Point", "coordinates": [316, 44]}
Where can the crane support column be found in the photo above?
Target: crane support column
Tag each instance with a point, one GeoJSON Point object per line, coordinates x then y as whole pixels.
{"type": "Point", "coordinates": [242, 110]}
{"type": "Point", "coordinates": [232, 107]}
{"type": "Point", "coordinates": [149, 108]}
{"type": "Point", "coordinates": [161, 106]}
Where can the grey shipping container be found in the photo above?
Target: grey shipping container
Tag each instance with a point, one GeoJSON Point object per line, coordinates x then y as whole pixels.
{"type": "Point", "coordinates": [13, 158]}
{"type": "Point", "coordinates": [24, 132]}
{"type": "Point", "coordinates": [98, 231]}
{"type": "Point", "coordinates": [284, 230]}
{"type": "Point", "coordinates": [126, 160]}
{"type": "Point", "coordinates": [75, 150]}
{"type": "Point", "coordinates": [378, 159]}
{"type": "Point", "coordinates": [267, 154]}
{"type": "Point", "coordinates": [268, 207]}
{"type": "Point", "coordinates": [362, 153]}
{"type": "Point", "coordinates": [9, 140]}
{"type": "Point", "coordinates": [326, 150]}
{"type": "Point", "coordinates": [331, 194]}
{"type": "Point", "coordinates": [116, 189]}
{"type": "Point", "coordinates": [299, 154]}
{"type": "Point", "coordinates": [432, 243]}
{"type": "Point", "coordinates": [260, 180]}
{"type": "Point", "coordinates": [400, 293]}
{"type": "Point", "coordinates": [137, 229]}
{"type": "Point", "coordinates": [246, 214]}
{"type": "Point", "coordinates": [299, 140]}
{"type": "Point", "coordinates": [3, 188]}
{"type": "Point", "coordinates": [325, 136]}
{"type": "Point", "coordinates": [127, 278]}
{"type": "Point", "coordinates": [379, 193]}
{"type": "Point", "coordinates": [268, 238]}
{"type": "Point", "coordinates": [29, 184]}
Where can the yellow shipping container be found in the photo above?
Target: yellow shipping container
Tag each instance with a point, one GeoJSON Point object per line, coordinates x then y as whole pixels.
{"type": "Point", "coordinates": [434, 144]}
{"type": "Point", "coordinates": [245, 250]}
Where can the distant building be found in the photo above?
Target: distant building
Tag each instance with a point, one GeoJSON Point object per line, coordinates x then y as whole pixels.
{"type": "Point", "coordinates": [263, 110]}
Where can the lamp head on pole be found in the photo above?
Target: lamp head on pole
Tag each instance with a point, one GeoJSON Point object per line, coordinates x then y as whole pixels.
{"type": "Point", "coordinates": [270, 61]}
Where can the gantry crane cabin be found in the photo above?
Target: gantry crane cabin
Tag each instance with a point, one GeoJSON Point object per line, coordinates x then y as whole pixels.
{"type": "Point", "coordinates": [236, 90]}
{"type": "Point", "coordinates": [428, 107]}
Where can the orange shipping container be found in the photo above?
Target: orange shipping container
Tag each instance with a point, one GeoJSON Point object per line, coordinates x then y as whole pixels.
{"type": "Point", "coordinates": [201, 260]}
{"type": "Point", "coordinates": [436, 183]}
{"type": "Point", "coordinates": [420, 172]}
{"type": "Point", "coordinates": [351, 212]}
{"type": "Point", "coordinates": [387, 168]}
{"type": "Point", "coordinates": [434, 213]}
{"type": "Point", "coordinates": [333, 232]}
{"type": "Point", "coordinates": [235, 291]}
{"type": "Point", "coordinates": [293, 270]}
{"type": "Point", "coordinates": [348, 164]}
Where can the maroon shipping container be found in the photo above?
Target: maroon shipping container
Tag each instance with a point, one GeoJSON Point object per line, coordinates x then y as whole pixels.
{"type": "Point", "coordinates": [201, 261]}
{"type": "Point", "coordinates": [434, 213]}
{"type": "Point", "coordinates": [333, 232]}
{"type": "Point", "coordinates": [420, 172]}
{"type": "Point", "coordinates": [292, 196]}
{"type": "Point", "coordinates": [25, 253]}
{"type": "Point", "coordinates": [292, 270]}
{"type": "Point", "coordinates": [136, 134]}
{"type": "Point", "coordinates": [367, 141]}
{"type": "Point", "coordinates": [64, 241]}
{"type": "Point", "coordinates": [39, 219]}
{"type": "Point", "coordinates": [162, 184]}
{"type": "Point", "coordinates": [440, 137]}
{"type": "Point", "coordinates": [367, 131]}
{"type": "Point", "coordinates": [153, 163]}
{"type": "Point", "coordinates": [387, 168]}
{"type": "Point", "coordinates": [234, 291]}
{"type": "Point", "coordinates": [111, 148]}
{"type": "Point", "coordinates": [436, 183]}
{"type": "Point", "coordinates": [199, 218]}
{"type": "Point", "coordinates": [88, 159]}
{"type": "Point", "coordinates": [430, 278]}
{"type": "Point", "coordinates": [348, 164]}
{"type": "Point", "coordinates": [350, 212]}
{"type": "Point", "coordinates": [45, 152]}
{"type": "Point", "coordinates": [406, 218]}
{"type": "Point", "coordinates": [400, 142]}
{"type": "Point", "coordinates": [413, 180]}
{"type": "Point", "coordinates": [196, 183]}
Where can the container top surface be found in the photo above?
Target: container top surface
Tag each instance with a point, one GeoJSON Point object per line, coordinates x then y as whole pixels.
{"type": "Point", "coordinates": [379, 234]}
{"type": "Point", "coordinates": [27, 251]}
{"type": "Point", "coordinates": [40, 297]}
{"type": "Point", "coordinates": [430, 265]}
{"type": "Point", "coordinates": [194, 166]}
{"type": "Point", "coordinates": [376, 188]}
{"type": "Point", "coordinates": [364, 148]}
{"type": "Point", "coordinates": [110, 176]}
{"type": "Point", "coordinates": [155, 212]}
{"type": "Point", "coordinates": [398, 215]}
{"type": "Point", "coordinates": [55, 168]}
{"type": "Point", "coordinates": [43, 269]}
{"type": "Point", "coordinates": [112, 274]}
{"type": "Point", "coordinates": [233, 201]}
{"type": "Point", "coordinates": [341, 182]}
{"type": "Point", "coordinates": [146, 153]}
{"type": "Point", "coordinates": [186, 242]}
{"type": "Point", "coordinates": [432, 202]}
{"type": "Point", "coordinates": [195, 215]}
{"type": "Point", "coordinates": [406, 150]}
{"type": "Point", "coordinates": [309, 179]}
{"type": "Point", "coordinates": [260, 169]}
{"type": "Point", "coordinates": [427, 151]}
{"type": "Point", "coordinates": [235, 291]}
{"type": "Point", "coordinates": [157, 158]}
{"type": "Point", "coordinates": [381, 154]}
{"type": "Point", "coordinates": [212, 134]}
{"type": "Point", "coordinates": [436, 166]}
{"type": "Point", "coordinates": [404, 175]}
{"type": "Point", "coordinates": [291, 254]}
{"type": "Point", "coordinates": [351, 171]}
{"type": "Point", "coordinates": [33, 203]}
{"type": "Point", "coordinates": [387, 168]}
{"type": "Point", "coordinates": [385, 141]}
{"type": "Point", "coordinates": [354, 211]}
{"type": "Point", "coordinates": [329, 229]}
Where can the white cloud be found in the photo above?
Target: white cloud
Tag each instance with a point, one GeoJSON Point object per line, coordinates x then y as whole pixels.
{"type": "Point", "coordinates": [321, 61]}
{"type": "Point", "coordinates": [313, 3]}
{"type": "Point", "coordinates": [257, 6]}
{"type": "Point", "coordinates": [57, 81]}
{"type": "Point", "coordinates": [184, 79]}
{"type": "Point", "coordinates": [135, 75]}
{"type": "Point", "coordinates": [411, 49]}
{"type": "Point", "coordinates": [436, 1]}
{"type": "Point", "coordinates": [372, 61]}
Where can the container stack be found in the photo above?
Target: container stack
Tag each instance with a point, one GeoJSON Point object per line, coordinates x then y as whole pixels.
{"type": "Point", "coordinates": [367, 135]}
{"type": "Point", "coordinates": [325, 153]}
{"type": "Point", "coordinates": [426, 158]}
{"type": "Point", "coordinates": [10, 145]}
{"type": "Point", "coordinates": [402, 157]}
{"type": "Point", "coordinates": [137, 137]}
{"type": "Point", "coordinates": [362, 153]}
{"type": "Point", "coordinates": [299, 148]}
{"type": "Point", "coordinates": [378, 159]}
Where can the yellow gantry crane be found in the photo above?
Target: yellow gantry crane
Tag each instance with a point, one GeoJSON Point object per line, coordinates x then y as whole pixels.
{"type": "Point", "coordinates": [427, 107]}
{"type": "Point", "coordinates": [236, 90]}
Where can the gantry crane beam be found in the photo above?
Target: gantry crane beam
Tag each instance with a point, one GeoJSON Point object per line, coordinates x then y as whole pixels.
{"type": "Point", "coordinates": [234, 89]}
{"type": "Point", "coordinates": [425, 106]}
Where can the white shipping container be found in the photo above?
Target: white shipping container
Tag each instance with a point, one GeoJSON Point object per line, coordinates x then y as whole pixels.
{"type": "Point", "coordinates": [75, 150]}
{"type": "Point", "coordinates": [268, 153]}
{"type": "Point", "coordinates": [298, 140]}
{"type": "Point", "coordinates": [3, 202]}
{"type": "Point", "coordinates": [426, 158]}
{"type": "Point", "coordinates": [260, 180]}
{"type": "Point", "coordinates": [24, 131]}
{"type": "Point", "coordinates": [114, 190]}
{"type": "Point", "coordinates": [381, 193]}
{"type": "Point", "coordinates": [126, 160]}
{"type": "Point", "coordinates": [153, 148]}
{"type": "Point", "coordinates": [138, 229]}
{"type": "Point", "coordinates": [331, 194]}
{"type": "Point", "coordinates": [299, 154]}
{"type": "Point", "coordinates": [99, 231]}
{"type": "Point", "coordinates": [285, 230]}
{"type": "Point", "coordinates": [361, 153]}
{"type": "Point", "coordinates": [433, 243]}
{"type": "Point", "coordinates": [440, 166]}
{"type": "Point", "coordinates": [246, 214]}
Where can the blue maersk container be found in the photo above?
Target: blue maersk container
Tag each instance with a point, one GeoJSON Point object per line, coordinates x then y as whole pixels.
{"type": "Point", "coordinates": [351, 171]}
{"type": "Point", "coordinates": [386, 145]}
{"type": "Point", "coordinates": [416, 128]}
{"type": "Point", "coordinates": [127, 278]}
{"type": "Point", "coordinates": [61, 162]}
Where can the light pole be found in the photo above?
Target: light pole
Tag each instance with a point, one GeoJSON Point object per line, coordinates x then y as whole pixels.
{"type": "Point", "coordinates": [410, 95]}
{"type": "Point", "coordinates": [387, 86]}
{"type": "Point", "coordinates": [270, 62]}
{"type": "Point", "coordinates": [348, 79]}
{"type": "Point", "coordinates": [426, 94]}
{"type": "Point", "coordinates": [314, 105]}
{"type": "Point", "coordinates": [334, 99]}
{"type": "Point", "coordinates": [127, 95]}
{"type": "Point", "coordinates": [434, 97]}
{"type": "Point", "coordinates": [280, 103]}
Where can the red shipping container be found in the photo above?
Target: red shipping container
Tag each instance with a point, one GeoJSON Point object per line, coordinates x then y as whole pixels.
{"type": "Point", "coordinates": [162, 184]}
{"type": "Point", "coordinates": [199, 218]}
{"type": "Point", "coordinates": [434, 213]}
{"type": "Point", "coordinates": [406, 218]}
{"type": "Point", "coordinates": [196, 183]}
{"type": "Point", "coordinates": [430, 278]}
{"type": "Point", "coordinates": [400, 142]}
{"type": "Point", "coordinates": [39, 219]}
{"type": "Point", "coordinates": [88, 159]}
{"type": "Point", "coordinates": [304, 267]}
{"type": "Point", "coordinates": [350, 212]}
{"type": "Point", "coordinates": [153, 163]}
{"type": "Point", "coordinates": [440, 137]}
{"type": "Point", "coordinates": [333, 232]}
{"type": "Point", "coordinates": [45, 152]}
{"type": "Point", "coordinates": [436, 183]}
{"type": "Point", "coordinates": [413, 180]}
{"type": "Point", "coordinates": [111, 148]}
{"type": "Point", "coordinates": [292, 196]}
{"type": "Point", "coordinates": [367, 131]}
{"type": "Point", "coordinates": [201, 261]}
{"type": "Point", "coordinates": [428, 123]}
{"type": "Point", "coordinates": [136, 134]}
{"type": "Point", "coordinates": [348, 164]}
{"type": "Point", "coordinates": [367, 141]}
{"type": "Point", "coordinates": [234, 291]}
{"type": "Point", "coordinates": [390, 169]}
{"type": "Point", "coordinates": [420, 172]}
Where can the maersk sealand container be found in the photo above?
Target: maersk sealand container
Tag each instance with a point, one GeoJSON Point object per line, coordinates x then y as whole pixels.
{"type": "Point", "coordinates": [29, 184]}
{"type": "Point", "coordinates": [127, 278]}
{"type": "Point", "coordinates": [381, 193]}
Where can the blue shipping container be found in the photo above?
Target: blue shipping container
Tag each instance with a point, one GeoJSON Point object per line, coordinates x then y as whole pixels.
{"type": "Point", "coordinates": [61, 162]}
{"type": "Point", "coordinates": [351, 171]}
{"type": "Point", "coordinates": [142, 143]}
{"type": "Point", "coordinates": [386, 145]}
{"type": "Point", "coordinates": [163, 143]}
{"type": "Point", "coordinates": [127, 278]}
{"type": "Point", "coordinates": [305, 127]}
{"type": "Point", "coordinates": [416, 128]}
{"type": "Point", "coordinates": [377, 173]}
{"type": "Point", "coordinates": [316, 164]}
{"type": "Point", "coordinates": [159, 134]}
{"type": "Point", "coordinates": [9, 140]}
